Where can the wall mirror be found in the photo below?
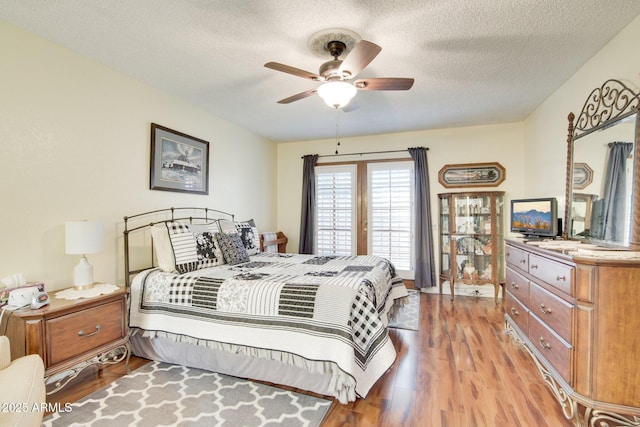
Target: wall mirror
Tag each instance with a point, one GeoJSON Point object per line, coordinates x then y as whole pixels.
{"type": "Point", "coordinates": [603, 173]}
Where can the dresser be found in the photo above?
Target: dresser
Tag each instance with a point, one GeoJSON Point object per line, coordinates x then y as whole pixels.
{"type": "Point", "coordinates": [578, 316]}
{"type": "Point", "coordinates": [71, 335]}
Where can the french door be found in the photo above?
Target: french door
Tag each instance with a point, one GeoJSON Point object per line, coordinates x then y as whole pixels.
{"type": "Point", "coordinates": [366, 208]}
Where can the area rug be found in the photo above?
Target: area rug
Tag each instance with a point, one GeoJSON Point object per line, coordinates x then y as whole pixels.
{"type": "Point", "coordinates": [408, 317]}
{"type": "Point", "coordinates": [161, 394]}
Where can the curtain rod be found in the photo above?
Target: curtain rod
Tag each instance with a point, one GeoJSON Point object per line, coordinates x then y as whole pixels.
{"type": "Point", "coordinates": [360, 154]}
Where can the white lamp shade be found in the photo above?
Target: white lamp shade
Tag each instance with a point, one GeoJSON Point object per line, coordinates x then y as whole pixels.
{"type": "Point", "coordinates": [337, 94]}
{"type": "Point", "coordinates": [83, 237]}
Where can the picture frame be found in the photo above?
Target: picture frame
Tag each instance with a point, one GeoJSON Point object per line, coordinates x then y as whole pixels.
{"type": "Point", "coordinates": [582, 176]}
{"type": "Point", "coordinates": [179, 162]}
{"type": "Point", "coordinates": [489, 174]}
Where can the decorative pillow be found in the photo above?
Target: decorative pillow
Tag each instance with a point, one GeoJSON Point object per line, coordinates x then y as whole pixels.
{"type": "Point", "coordinates": [184, 248]}
{"type": "Point", "coordinates": [249, 236]}
{"type": "Point", "coordinates": [207, 247]}
{"type": "Point", "coordinates": [232, 248]}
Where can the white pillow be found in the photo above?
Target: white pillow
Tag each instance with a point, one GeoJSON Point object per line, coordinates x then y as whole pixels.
{"type": "Point", "coordinates": [227, 226]}
{"type": "Point", "coordinates": [163, 248]}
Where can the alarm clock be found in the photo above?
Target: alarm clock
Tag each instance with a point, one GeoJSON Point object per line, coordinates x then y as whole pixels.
{"type": "Point", "coordinates": [40, 300]}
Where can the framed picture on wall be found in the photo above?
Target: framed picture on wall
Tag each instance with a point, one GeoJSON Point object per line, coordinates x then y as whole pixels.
{"type": "Point", "coordinates": [179, 162]}
{"type": "Point", "coordinates": [582, 176]}
{"type": "Point", "coordinates": [472, 175]}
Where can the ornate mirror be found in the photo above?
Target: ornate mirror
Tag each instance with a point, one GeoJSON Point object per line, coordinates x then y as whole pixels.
{"type": "Point", "coordinates": [603, 174]}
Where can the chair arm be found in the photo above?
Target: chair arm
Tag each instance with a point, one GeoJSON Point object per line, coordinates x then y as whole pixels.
{"type": "Point", "coordinates": [5, 352]}
{"type": "Point", "coordinates": [22, 387]}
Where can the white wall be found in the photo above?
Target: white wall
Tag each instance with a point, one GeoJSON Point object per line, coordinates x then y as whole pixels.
{"type": "Point", "coordinates": [546, 129]}
{"type": "Point", "coordinates": [534, 152]}
{"type": "Point", "coordinates": [75, 144]}
{"type": "Point", "coordinates": [478, 144]}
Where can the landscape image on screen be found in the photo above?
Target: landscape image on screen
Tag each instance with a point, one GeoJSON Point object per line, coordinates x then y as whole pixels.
{"type": "Point", "coordinates": [531, 215]}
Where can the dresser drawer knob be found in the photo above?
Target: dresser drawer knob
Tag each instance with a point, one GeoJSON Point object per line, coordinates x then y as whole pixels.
{"type": "Point", "coordinates": [523, 261]}
{"type": "Point", "coordinates": [514, 311]}
{"type": "Point", "coordinates": [559, 278]}
{"type": "Point", "coordinates": [514, 285]}
{"type": "Point", "coordinates": [544, 309]}
{"type": "Point", "coordinates": [82, 334]}
{"type": "Point", "coordinates": [534, 266]}
{"type": "Point", "coordinates": [544, 344]}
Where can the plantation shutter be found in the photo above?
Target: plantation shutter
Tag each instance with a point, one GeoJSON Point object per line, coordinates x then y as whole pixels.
{"type": "Point", "coordinates": [336, 210]}
{"type": "Point", "coordinates": [390, 194]}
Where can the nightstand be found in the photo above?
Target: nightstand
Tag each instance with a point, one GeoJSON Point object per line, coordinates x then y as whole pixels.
{"type": "Point", "coordinates": [71, 335]}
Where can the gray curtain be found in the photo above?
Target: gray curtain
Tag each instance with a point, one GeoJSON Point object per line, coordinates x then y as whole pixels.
{"type": "Point", "coordinates": [614, 192]}
{"type": "Point", "coordinates": [425, 275]}
{"type": "Point", "coordinates": [308, 212]}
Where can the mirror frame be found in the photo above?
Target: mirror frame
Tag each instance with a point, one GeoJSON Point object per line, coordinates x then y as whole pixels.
{"type": "Point", "coordinates": [605, 105]}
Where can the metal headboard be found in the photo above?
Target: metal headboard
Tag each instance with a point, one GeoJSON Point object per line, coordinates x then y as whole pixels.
{"type": "Point", "coordinates": [190, 214]}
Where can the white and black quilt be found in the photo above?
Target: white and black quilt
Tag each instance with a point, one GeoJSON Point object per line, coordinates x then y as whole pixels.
{"type": "Point", "coordinates": [317, 308]}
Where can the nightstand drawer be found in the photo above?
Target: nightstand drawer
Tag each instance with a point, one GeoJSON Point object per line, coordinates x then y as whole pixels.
{"type": "Point", "coordinates": [83, 331]}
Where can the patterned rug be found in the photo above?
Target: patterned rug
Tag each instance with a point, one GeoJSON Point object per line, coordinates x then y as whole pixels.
{"type": "Point", "coordinates": [161, 394]}
{"type": "Point", "coordinates": [409, 315]}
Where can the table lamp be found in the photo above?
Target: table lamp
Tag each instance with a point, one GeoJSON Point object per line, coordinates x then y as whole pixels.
{"type": "Point", "coordinates": [82, 238]}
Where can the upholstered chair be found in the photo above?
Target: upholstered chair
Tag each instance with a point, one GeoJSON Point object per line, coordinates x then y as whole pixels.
{"type": "Point", "coordinates": [22, 388]}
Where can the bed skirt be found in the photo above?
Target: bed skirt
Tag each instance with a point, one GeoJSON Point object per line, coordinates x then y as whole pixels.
{"type": "Point", "coordinates": [289, 370]}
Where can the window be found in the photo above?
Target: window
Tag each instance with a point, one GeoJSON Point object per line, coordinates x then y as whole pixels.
{"type": "Point", "coordinates": [366, 208]}
{"type": "Point", "coordinates": [390, 194]}
{"type": "Point", "coordinates": [336, 210]}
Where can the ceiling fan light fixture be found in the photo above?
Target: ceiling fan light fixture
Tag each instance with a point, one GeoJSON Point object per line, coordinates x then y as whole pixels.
{"type": "Point", "coordinates": [337, 94]}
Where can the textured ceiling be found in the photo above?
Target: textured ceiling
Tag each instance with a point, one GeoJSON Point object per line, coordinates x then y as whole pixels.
{"type": "Point", "coordinates": [474, 61]}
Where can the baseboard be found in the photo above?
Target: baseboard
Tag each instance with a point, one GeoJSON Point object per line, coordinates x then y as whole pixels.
{"type": "Point", "coordinates": [485, 291]}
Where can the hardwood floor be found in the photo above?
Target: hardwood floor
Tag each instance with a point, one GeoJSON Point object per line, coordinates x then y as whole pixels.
{"type": "Point", "coordinates": [459, 369]}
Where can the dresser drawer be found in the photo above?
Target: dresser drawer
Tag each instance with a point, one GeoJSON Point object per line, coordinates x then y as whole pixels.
{"type": "Point", "coordinates": [517, 258]}
{"type": "Point", "coordinates": [517, 312]}
{"type": "Point", "coordinates": [554, 311]}
{"type": "Point", "coordinates": [556, 351]}
{"type": "Point", "coordinates": [83, 331]}
{"type": "Point", "coordinates": [558, 275]}
{"type": "Point", "coordinates": [518, 285]}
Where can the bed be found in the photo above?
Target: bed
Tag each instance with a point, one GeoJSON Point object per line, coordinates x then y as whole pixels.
{"type": "Point", "coordinates": [209, 299]}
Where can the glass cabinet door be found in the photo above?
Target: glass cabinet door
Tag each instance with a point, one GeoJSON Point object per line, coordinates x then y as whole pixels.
{"type": "Point", "coordinates": [445, 236]}
{"type": "Point", "coordinates": [472, 238]}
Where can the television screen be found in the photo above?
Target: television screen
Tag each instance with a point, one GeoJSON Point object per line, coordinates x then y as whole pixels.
{"type": "Point", "coordinates": [535, 217]}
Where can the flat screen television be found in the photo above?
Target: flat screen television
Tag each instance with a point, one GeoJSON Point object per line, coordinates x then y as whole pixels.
{"type": "Point", "coordinates": [535, 218]}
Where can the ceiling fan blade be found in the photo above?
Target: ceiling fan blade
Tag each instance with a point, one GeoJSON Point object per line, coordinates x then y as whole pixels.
{"type": "Point", "coordinates": [384, 83]}
{"type": "Point", "coordinates": [360, 56]}
{"type": "Point", "coordinates": [293, 70]}
{"type": "Point", "coordinates": [297, 96]}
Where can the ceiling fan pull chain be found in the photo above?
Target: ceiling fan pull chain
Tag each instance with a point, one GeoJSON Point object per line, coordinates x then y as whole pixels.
{"type": "Point", "coordinates": [337, 127]}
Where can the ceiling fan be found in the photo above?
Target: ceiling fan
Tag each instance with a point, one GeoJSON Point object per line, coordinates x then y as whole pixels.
{"type": "Point", "coordinates": [337, 90]}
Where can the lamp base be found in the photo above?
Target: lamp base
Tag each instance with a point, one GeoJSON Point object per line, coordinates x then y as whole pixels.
{"type": "Point", "coordinates": [83, 275]}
